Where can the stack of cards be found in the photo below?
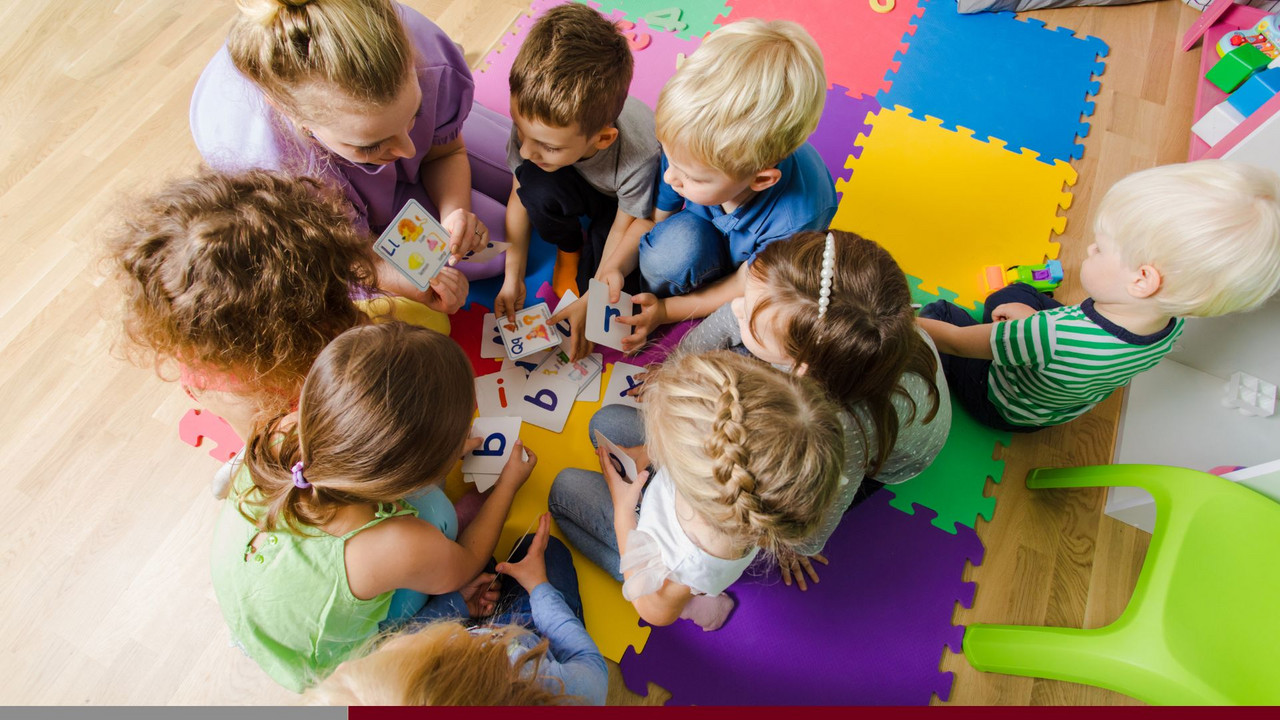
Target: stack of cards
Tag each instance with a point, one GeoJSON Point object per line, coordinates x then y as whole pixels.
{"type": "Point", "coordinates": [415, 244]}
{"type": "Point", "coordinates": [483, 465]}
{"type": "Point", "coordinates": [546, 394]}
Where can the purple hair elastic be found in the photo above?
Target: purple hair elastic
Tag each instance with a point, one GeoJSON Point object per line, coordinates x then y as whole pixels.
{"type": "Point", "coordinates": [299, 480]}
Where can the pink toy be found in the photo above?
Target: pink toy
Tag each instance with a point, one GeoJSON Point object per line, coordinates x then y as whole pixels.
{"type": "Point", "coordinates": [199, 425]}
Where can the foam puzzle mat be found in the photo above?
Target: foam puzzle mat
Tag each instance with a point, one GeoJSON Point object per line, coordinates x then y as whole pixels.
{"type": "Point", "coordinates": [950, 138]}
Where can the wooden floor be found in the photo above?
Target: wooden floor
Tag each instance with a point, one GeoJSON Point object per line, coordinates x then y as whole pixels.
{"type": "Point", "coordinates": [106, 595]}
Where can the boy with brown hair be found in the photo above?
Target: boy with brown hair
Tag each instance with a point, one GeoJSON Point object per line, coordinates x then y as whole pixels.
{"type": "Point", "coordinates": [580, 146]}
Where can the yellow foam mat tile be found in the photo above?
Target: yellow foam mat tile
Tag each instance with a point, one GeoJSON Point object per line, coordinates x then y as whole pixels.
{"type": "Point", "coordinates": [947, 204]}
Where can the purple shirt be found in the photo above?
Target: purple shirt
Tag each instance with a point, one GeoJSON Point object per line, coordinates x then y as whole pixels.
{"type": "Point", "coordinates": [235, 128]}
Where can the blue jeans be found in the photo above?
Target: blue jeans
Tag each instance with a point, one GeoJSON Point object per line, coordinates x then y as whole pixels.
{"type": "Point", "coordinates": [580, 500]}
{"type": "Point", "coordinates": [969, 378]}
{"type": "Point", "coordinates": [683, 253]}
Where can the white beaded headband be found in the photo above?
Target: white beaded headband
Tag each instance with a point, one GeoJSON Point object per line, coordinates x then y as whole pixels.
{"type": "Point", "coordinates": [828, 271]}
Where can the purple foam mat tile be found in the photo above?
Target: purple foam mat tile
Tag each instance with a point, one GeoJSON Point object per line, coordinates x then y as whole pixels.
{"type": "Point", "coordinates": [661, 341]}
{"type": "Point", "coordinates": [843, 119]}
{"type": "Point", "coordinates": [870, 633]}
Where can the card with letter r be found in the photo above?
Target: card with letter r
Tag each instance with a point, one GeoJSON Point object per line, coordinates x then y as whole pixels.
{"type": "Point", "coordinates": [415, 244]}
{"type": "Point", "coordinates": [498, 436]}
{"type": "Point", "coordinates": [529, 333]}
{"type": "Point", "coordinates": [620, 384]}
{"type": "Point", "coordinates": [547, 400]}
{"type": "Point", "coordinates": [602, 325]}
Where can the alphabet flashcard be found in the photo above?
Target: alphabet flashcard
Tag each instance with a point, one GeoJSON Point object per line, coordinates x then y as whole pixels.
{"type": "Point", "coordinates": [415, 244]}
{"type": "Point", "coordinates": [482, 481]}
{"type": "Point", "coordinates": [547, 400]}
{"type": "Point", "coordinates": [529, 333]}
{"type": "Point", "coordinates": [498, 394]}
{"type": "Point", "coordinates": [562, 327]}
{"type": "Point", "coordinates": [620, 385]}
{"type": "Point", "coordinates": [498, 436]}
{"type": "Point", "coordinates": [602, 316]}
{"type": "Point", "coordinates": [528, 363]}
{"type": "Point", "coordinates": [579, 372]}
{"type": "Point", "coordinates": [624, 464]}
{"type": "Point", "coordinates": [491, 250]}
{"type": "Point", "coordinates": [491, 343]}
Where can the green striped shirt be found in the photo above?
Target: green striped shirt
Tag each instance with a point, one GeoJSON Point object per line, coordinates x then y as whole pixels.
{"type": "Point", "coordinates": [1055, 365]}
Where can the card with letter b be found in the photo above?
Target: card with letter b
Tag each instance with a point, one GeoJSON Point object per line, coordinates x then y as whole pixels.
{"type": "Point", "coordinates": [415, 243]}
{"type": "Point", "coordinates": [498, 436]}
{"type": "Point", "coordinates": [602, 325]}
{"type": "Point", "coordinates": [529, 333]}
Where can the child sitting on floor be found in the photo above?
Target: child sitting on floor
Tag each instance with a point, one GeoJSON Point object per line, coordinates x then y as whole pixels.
{"type": "Point", "coordinates": [748, 459]}
{"type": "Point", "coordinates": [733, 122]}
{"type": "Point", "coordinates": [316, 535]}
{"type": "Point", "coordinates": [837, 308]}
{"type": "Point", "coordinates": [1198, 239]}
{"type": "Point", "coordinates": [580, 146]}
{"type": "Point", "coordinates": [444, 663]}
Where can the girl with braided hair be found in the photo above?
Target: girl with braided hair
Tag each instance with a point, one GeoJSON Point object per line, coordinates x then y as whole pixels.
{"type": "Point", "coordinates": [747, 459]}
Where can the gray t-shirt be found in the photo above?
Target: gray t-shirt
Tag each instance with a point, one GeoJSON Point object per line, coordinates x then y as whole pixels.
{"type": "Point", "coordinates": [626, 169]}
{"type": "Point", "coordinates": [918, 442]}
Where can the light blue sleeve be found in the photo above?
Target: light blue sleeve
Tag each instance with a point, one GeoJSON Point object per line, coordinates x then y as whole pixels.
{"type": "Point", "coordinates": [575, 659]}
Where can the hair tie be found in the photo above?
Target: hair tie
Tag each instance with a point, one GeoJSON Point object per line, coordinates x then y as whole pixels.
{"type": "Point", "coordinates": [299, 480]}
{"type": "Point", "coordinates": [828, 272]}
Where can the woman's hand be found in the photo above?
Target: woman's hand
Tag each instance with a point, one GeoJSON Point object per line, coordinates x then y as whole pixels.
{"type": "Point", "coordinates": [466, 233]}
{"type": "Point", "coordinates": [531, 571]}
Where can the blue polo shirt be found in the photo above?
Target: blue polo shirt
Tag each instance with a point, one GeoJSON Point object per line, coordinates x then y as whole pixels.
{"type": "Point", "coordinates": [803, 199]}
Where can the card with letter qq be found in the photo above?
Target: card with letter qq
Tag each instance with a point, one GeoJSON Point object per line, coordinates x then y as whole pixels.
{"type": "Point", "coordinates": [529, 333]}
{"type": "Point", "coordinates": [602, 325]}
{"type": "Point", "coordinates": [498, 436]}
{"type": "Point", "coordinates": [415, 243]}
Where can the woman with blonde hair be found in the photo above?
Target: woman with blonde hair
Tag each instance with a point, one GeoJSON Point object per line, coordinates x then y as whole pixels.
{"type": "Point", "coordinates": [369, 94]}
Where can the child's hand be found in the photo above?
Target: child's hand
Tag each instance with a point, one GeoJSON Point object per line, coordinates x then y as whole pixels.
{"type": "Point", "coordinates": [466, 233]}
{"type": "Point", "coordinates": [626, 495]}
{"type": "Point", "coordinates": [1012, 311]}
{"type": "Point", "coordinates": [448, 291]}
{"type": "Point", "coordinates": [652, 315]}
{"type": "Point", "coordinates": [576, 314]}
{"type": "Point", "coordinates": [517, 469]}
{"type": "Point", "coordinates": [531, 571]}
{"type": "Point", "coordinates": [510, 299]}
{"type": "Point", "coordinates": [637, 390]}
{"type": "Point", "coordinates": [614, 279]}
{"type": "Point", "coordinates": [480, 595]}
{"type": "Point", "coordinates": [795, 565]}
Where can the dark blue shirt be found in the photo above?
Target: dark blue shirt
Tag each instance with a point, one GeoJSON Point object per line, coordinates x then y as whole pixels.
{"type": "Point", "coordinates": [803, 199]}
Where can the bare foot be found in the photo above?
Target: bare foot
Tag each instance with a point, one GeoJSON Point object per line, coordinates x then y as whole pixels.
{"type": "Point", "coordinates": [709, 612]}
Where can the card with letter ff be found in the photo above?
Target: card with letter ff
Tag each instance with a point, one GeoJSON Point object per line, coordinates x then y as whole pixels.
{"type": "Point", "coordinates": [415, 243]}
{"type": "Point", "coordinates": [529, 333]}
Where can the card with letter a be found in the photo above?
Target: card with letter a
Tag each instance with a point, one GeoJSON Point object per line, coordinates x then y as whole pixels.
{"type": "Point", "coordinates": [415, 243]}
{"type": "Point", "coordinates": [529, 333]}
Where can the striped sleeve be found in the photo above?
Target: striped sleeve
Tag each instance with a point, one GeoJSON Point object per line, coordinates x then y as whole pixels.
{"type": "Point", "coordinates": [1022, 343]}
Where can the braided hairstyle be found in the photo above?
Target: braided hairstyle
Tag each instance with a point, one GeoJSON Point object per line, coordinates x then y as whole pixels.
{"type": "Point", "coordinates": [867, 340]}
{"type": "Point", "coordinates": [757, 453]}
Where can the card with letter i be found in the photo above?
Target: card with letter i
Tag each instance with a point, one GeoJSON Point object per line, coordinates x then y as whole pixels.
{"type": "Point", "coordinates": [529, 333]}
{"type": "Point", "coordinates": [415, 243]}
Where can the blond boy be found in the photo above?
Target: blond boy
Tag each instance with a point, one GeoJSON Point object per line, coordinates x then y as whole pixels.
{"type": "Point", "coordinates": [1198, 239]}
{"type": "Point", "coordinates": [737, 170]}
{"type": "Point", "coordinates": [579, 146]}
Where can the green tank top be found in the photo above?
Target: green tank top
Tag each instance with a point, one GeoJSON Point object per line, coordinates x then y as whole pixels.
{"type": "Point", "coordinates": [288, 603]}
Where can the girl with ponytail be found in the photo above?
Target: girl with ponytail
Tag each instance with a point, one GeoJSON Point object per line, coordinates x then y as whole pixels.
{"type": "Point", "coordinates": [747, 460]}
{"type": "Point", "coordinates": [317, 535]}
{"type": "Point", "coordinates": [836, 307]}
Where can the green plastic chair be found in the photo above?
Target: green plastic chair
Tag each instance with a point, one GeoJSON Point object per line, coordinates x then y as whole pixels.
{"type": "Point", "coordinates": [1203, 625]}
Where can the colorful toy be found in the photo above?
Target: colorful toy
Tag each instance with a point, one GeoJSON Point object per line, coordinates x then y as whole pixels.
{"type": "Point", "coordinates": [1045, 277]}
{"type": "Point", "coordinates": [1264, 36]}
{"type": "Point", "coordinates": [1236, 66]}
{"type": "Point", "coordinates": [1255, 91]}
{"type": "Point", "coordinates": [199, 425]}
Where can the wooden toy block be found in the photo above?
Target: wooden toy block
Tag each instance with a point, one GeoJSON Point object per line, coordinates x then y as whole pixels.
{"type": "Point", "coordinates": [1255, 91]}
{"type": "Point", "coordinates": [1236, 66]}
{"type": "Point", "coordinates": [1220, 120]}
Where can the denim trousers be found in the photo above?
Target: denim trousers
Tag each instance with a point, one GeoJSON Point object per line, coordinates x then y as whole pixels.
{"type": "Point", "coordinates": [580, 500]}
{"type": "Point", "coordinates": [681, 254]}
